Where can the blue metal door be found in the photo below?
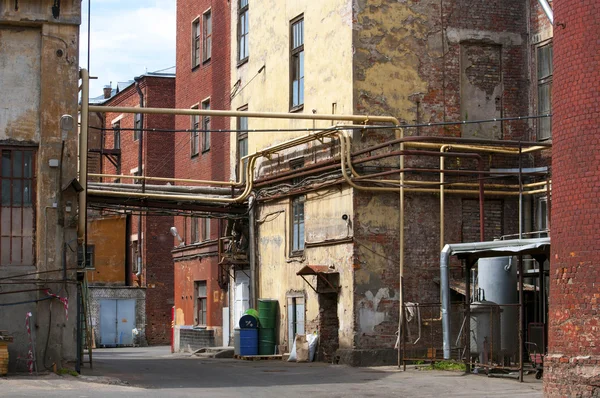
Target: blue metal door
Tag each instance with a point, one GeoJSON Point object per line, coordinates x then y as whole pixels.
{"type": "Point", "coordinates": [108, 329]}
{"type": "Point", "coordinates": [125, 321]}
{"type": "Point", "coordinates": [117, 320]}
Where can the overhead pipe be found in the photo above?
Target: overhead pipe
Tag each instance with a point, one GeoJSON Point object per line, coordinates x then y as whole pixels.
{"type": "Point", "coordinates": [167, 179]}
{"type": "Point", "coordinates": [547, 10]}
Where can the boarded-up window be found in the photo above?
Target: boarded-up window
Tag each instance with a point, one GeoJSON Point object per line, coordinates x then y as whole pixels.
{"type": "Point", "coordinates": [493, 219]}
{"type": "Point", "coordinates": [17, 217]}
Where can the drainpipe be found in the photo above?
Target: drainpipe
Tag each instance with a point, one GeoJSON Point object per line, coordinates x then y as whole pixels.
{"type": "Point", "coordinates": [140, 171]}
{"type": "Point", "coordinates": [547, 10]}
{"type": "Point", "coordinates": [445, 285]}
{"type": "Point", "coordinates": [252, 253]}
{"type": "Point", "coordinates": [83, 150]}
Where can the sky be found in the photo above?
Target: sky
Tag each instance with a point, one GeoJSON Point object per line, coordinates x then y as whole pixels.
{"type": "Point", "coordinates": [128, 38]}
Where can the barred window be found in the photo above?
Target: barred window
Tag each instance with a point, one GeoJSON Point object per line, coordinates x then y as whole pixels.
{"type": "Point", "coordinates": [17, 216]}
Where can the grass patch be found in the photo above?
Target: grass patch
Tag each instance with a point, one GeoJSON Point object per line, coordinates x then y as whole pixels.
{"type": "Point", "coordinates": [65, 371]}
{"type": "Point", "coordinates": [443, 365]}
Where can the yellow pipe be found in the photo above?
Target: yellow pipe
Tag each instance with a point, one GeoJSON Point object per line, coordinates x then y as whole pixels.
{"type": "Point", "coordinates": [263, 115]}
{"type": "Point", "coordinates": [130, 177]}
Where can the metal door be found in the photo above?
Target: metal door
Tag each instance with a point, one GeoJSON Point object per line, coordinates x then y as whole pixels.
{"type": "Point", "coordinates": [117, 319]}
{"type": "Point", "coordinates": [108, 316]}
{"type": "Point", "coordinates": [125, 321]}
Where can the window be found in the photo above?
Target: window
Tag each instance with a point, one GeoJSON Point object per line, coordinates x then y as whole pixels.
{"type": "Point", "coordinates": [136, 256]}
{"type": "Point", "coordinates": [136, 172]}
{"type": "Point", "coordinates": [195, 233]}
{"type": "Point", "coordinates": [242, 144]}
{"type": "Point", "coordinates": [207, 37]}
{"type": "Point", "coordinates": [137, 132]}
{"type": "Point", "coordinates": [296, 164]}
{"type": "Point", "coordinates": [298, 225]}
{"type": "Point", "coordinates": [17, 215]}
{"type": "Point", "coordinates": [544, 75]}
{"type": "Point", "coordinates": [195, 136]}
{"type": "Point", "coordinates": [117, 135]}
{"type": "Point", "coordinates": [205, 127]}
{"type": "Point", "coordinates": [196, 43]}
{"type": "Point", "coordinates": [542, 217]}
{"type": "Point", "coordinates": [201, 303]}
{"type": "Point", "coordinates": [243, 31]}
{"type": "Point", "coordinates": [295, 309]}
{"type": "Point", "coordinates": [297, 64]}
{"type": "Point", "coordinates": [89, 257]}
{"type": "Point", "coordinates": [205, 225]}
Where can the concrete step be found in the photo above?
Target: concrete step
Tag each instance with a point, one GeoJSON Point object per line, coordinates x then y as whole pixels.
{"type": "Point", "coordinates": [214, 352]}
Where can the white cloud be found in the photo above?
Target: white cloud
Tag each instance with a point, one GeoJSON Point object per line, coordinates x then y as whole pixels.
{"type": "Point", "coordinates": [128, 38]}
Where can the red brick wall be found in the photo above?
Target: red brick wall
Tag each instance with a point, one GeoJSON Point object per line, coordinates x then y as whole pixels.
{"type": "Point", "coordinates": [158, 161]}
{"type": "Point", "coordinates": [573, 365]}
{"type": "Point", "coordinates": [209, 80]}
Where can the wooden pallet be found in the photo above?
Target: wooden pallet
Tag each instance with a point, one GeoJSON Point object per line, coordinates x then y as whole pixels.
{"type": "Point", "coordinates": [258, 357]}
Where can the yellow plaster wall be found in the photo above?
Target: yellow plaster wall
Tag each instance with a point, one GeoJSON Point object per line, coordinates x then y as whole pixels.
{"type": "Point", "coordinates": [328, 65]}
{"type": "Point", "coordinates": [277, 270]}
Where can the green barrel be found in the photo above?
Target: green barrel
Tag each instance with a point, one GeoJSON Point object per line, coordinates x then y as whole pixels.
{"type": "Point", "coordinates": [266, 341]}
{"type": "Point", "coordinates": [267, 313]}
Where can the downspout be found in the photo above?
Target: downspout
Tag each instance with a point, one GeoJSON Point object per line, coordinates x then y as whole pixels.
{"type": "Point", "coordinates": [83, 150]}
{"type": "Point", "coordinates": [445, 286]}
{"type": "Point", "coordinates": [252, 253]}
{"type": "Point", "coordinates": [140, 258]}
{"type": "Point", "coordinates": [547, 10]}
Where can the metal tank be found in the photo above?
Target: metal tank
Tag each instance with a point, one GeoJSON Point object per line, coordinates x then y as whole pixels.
{"type": "Point", "coordinates": [497, 279]}
{"type": "Point", "coordinates": [485, 331]}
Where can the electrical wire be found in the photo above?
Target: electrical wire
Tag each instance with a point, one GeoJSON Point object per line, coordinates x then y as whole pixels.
{"type": "Point", "coordinates": [333, 128]}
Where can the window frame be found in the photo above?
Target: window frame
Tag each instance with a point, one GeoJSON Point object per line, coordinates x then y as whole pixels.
{"type": "Point", "coordinates": [542, 217]}
{"type": "Point", "coordinates": [116, 127]}
{"type": "Point", "coordinates": [137, 126]}
{"type": "Point", "coordinates": [89, 257]}
{"type": "Point", "coordinates": [296, 54]}
{"type": "Point", "coordinates": [195, 40]}
{"type": "Point", "coordinates": [201, 303]}
{"type": "Point", "coordinates": [297, 242]}
{"type": "Point", "coordinates": [206, 122]}
{"type": "Point", "coordinates": [542, 82]}
{"type": "Point", "coordinates": [241, 136]}
{"type": "Point", "coordinates": [207, 36]}
{"type": "Point", "coordinates": [25, 179]}
{"type": "Point", "coordinates": [194, 133]}
{"type": "Point", "coordinates": [194, 230]}
{"type": "Point", "coordinates": [243, 12]}
{"type": "Point", "coordinates": [204, 229]}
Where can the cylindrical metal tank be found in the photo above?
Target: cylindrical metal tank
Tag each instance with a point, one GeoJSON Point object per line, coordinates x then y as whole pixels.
{"type": "Point", "coordinates": [497, 279]}
{"type": "Point", "coordinates": [485, 330]}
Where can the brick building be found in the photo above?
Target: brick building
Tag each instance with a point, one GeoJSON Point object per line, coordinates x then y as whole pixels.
{"type": "Point", "coordinates": [203, 67]}
{"type": "Point", "coordinates": [420, 62]}
{"type": "Point", "coordinates": [572, 367]}
{"type": "Point", "coordinates": [147, 259]}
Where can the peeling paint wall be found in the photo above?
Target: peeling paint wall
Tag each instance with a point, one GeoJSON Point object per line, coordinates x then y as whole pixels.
{"type": "Point", "coordinates": [277, 269]}
{"type": "Point", "coordinates": [327, 65]}
{"type": "Point", "coordinates": [20, 60]}
{"type": "Point", "coordinates": [427, 61]}
{"type": "Point", "coordinates": [39, 83]}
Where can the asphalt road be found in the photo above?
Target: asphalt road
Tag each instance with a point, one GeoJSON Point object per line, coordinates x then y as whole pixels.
{"type": "Point", "coordinates": [153, 372]}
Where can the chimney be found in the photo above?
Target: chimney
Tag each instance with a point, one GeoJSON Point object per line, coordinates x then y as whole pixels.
{"type": "Point", "coordinates": [107, 91]}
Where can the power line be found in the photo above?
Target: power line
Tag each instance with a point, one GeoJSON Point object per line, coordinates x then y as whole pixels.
{"type": "Point", "coordinates": [341, 127]}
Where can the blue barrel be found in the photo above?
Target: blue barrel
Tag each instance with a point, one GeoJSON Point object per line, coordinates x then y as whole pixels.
{"type": "Point", "coordinates": [249, 319]}
{"type": "Point", "coordinates": [248, 341]}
